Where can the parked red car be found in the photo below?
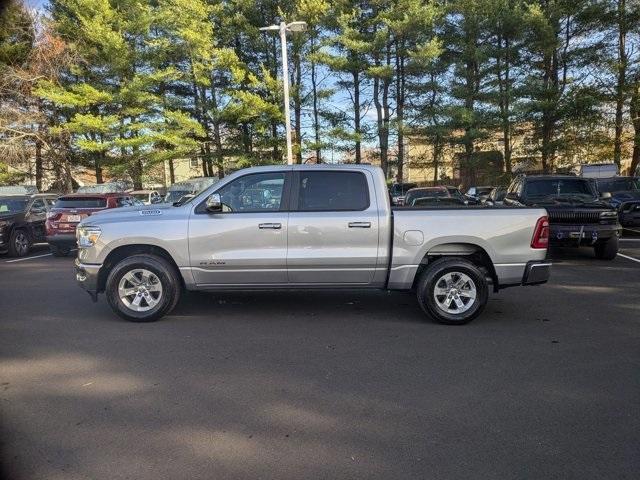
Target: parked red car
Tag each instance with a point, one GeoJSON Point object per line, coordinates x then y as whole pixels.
{"type": "Point", "coordinates": [69, 210]}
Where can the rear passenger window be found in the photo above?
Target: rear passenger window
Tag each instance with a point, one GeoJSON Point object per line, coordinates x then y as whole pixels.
{"type": "Point", "coordinates": [332, 191]}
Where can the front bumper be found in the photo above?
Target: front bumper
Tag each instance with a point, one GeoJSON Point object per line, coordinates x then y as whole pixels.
{"type": "Point", "coordinates": [536, 273]}
{"type": "Point", "coordinates": [87, 278]}
{"type": "Point", "coordinates": [564, 235]}
{"type": "Point", "coordinates": [66, 240]}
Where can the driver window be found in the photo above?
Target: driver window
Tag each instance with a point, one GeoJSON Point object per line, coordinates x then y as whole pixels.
{"type": "Point", "coordinates": [253, 193]}
{"type": "Point", "coordinates": [38, 207]}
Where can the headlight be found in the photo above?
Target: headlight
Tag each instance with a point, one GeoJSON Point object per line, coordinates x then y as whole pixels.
{"type": "Point", "coordinates": [87, 236]}
{"type": "Point", "coordinates": [608, 215]}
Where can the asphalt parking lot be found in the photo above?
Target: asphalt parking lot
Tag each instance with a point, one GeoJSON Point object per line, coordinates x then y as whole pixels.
{"type": "Point", "coordinates": [323, 385]}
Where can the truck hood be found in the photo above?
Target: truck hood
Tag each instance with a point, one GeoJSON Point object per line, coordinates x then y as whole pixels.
{"type": "Point", "coordinates": [626, 195]}
{"type": "Point", "coordinates": [133, 214]}
{"type": "Point", "coordinates": [5, 217]}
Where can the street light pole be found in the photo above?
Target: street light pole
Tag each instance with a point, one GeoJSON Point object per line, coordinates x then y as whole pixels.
{"type": "Point", "coordinates": [283, 28]}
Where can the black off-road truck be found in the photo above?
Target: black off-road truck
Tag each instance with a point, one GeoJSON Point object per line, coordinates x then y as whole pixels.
{"type": "Point", "coordinates": [578, 216]}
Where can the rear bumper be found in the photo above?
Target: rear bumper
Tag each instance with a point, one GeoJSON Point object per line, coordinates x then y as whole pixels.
{"type": "Point", "coordinates": [66, 240]}
{"type": "Point", "coordinates": [87, 278]}
{"type": "Point", "coordinates": [575, 235]}
{"type": "Point", "coordinates": [536, 273]}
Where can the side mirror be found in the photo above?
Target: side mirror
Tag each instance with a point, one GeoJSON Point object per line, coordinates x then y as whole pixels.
{"type": "Point", "coordinates": [605, 195]}
{"type": "Point", "coordinates": [214, 203]}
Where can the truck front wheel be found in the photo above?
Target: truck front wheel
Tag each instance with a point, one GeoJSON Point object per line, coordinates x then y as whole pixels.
{"type": "Point", "coordinates": [142, 288]}
{"type": "Point", "coordinates": [452, 291]}
{"type": "Point", "coordinates": [606, 249]}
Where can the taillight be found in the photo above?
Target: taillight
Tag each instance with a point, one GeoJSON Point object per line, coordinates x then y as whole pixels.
{"type": "Point", "coordinates": [541, 234]}
{"type": "Point", "coordinates": [54, 216]}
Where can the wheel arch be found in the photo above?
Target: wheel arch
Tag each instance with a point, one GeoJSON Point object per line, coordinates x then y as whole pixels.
{"type": "Point", "coordinates": [472, 252]}
{"type": "Point", "coordinates": [120, 253]}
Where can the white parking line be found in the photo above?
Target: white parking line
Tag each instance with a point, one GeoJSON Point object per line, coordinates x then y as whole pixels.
{"type": "Point", "coordinates": [630, 239]}
{"type": "Point", "coordinates": [35, 256]}
{"type": "Point", "coordinates": [631, 229]}
{"type": "Point", "coordinates": [28, 258]}
{"type": "Point", "coordinates": [629, 258]}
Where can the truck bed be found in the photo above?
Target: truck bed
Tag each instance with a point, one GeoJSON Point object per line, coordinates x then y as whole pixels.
{"type": "Point", "coordinates": [502, 233]}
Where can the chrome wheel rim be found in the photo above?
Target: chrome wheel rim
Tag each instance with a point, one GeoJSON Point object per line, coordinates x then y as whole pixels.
{"type": "Point", "coordinates": [455, 293]}
{"type": "Point", "coordinates": [21, 243]}
{"type": "Point", "coordinates": [140, 290]}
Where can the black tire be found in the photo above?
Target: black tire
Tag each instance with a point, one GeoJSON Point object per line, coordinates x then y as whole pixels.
{"type": "Point", "coordinates": [19, 243]}
{"type": "Point", "coordinates": [432, 278]}
{"type": "Point", "coordinates": [164, 273]}
{"type": "Point", "coordinates": [606, 249]}
{"type": "Point", "coordinates": [57, 251]}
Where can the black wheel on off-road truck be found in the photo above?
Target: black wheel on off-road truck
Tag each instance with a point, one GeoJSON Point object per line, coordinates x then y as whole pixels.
{"type": "Point", "coordinates": [606, 249]}
{"type": "Point", "coordinates": [452, 290]}
{"type": "Point", "coordinates": [143, 288]}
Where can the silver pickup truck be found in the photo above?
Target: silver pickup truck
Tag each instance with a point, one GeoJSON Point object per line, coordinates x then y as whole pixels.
{"type": "Point", "coordinates": [321, 226]}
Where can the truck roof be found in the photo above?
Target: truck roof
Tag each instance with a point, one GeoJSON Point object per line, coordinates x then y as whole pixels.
{"type": "Point", "coordinates": [321, 166]}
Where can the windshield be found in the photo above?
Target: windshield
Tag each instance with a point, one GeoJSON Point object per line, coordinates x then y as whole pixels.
{"type": "Point", "coordinates": [401, 188]}
{"type": "Point", "coordinates": [81, 202]}
{"type": "Point", "coordinates": [619, 185]}
{"type": "Point", "coordinates": [102, 188]}
{"type": "Point", "coordinates": [436, 202]}
{"type": "Point", "coordinates": [13, 205]}
{"type": "Point", "coordinates": [559, 188]}
{"type": "Point", "coordinates": [175, 195]}
{"type": "Point", "coordinates": [425, 193]}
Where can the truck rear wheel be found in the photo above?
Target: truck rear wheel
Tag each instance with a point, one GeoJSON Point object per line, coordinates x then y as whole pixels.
{"type": "Point", "coordinates": [143, 288]}
{"type": "Point", "coordinates": [452, 291]}
{"type": "Point", "coordinates": [606, 249]}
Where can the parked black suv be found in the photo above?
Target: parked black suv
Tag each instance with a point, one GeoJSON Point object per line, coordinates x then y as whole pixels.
{"type": "Point", "coordinates": [22, 221]}
{"type": "Point", "coordinates": [625, 196]}
{"type": "Point", "coordinates": [577, 215]}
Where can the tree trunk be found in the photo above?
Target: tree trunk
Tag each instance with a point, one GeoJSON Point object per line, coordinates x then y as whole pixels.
{"type": "Point", "coordinates": [621, 83]}
{"type": "Point", "coordinates": [136, 174]}
{"type": "Point", "coordinates": [314, 93]}
{"type": "Point", "coordinates": [356, 114]}
{"type": "Point", "coordinates": [383, 143]}
{"type": "Point", "coordinates": [39, 165]}
{"type": "Point", "coordinates": [297, 103]}
{"type": "Point", "coordinates": [98, 167]}
{"type": "Point", "coordinates": [217, 138]}
{"type": "Point", "coordinates": [437, 152]}
{"type": "Point", "coordinates": [172, 174]}
{"type": "Point", "coordinates": [469, 105]}
{"type": "Point", "coordinates": [504, 100]}
{"type": "Point", "coordinates": [384, 162]}
{"type": "Point", "coordinates": [635, 120]}
{"type": "Point", "coordinates": [400, 97]}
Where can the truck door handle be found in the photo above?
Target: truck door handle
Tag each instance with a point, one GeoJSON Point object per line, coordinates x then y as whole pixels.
{"type": "Point", "coordinates": [359, 224]}
{"type": "Point", "coordinates": [272, 226]}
